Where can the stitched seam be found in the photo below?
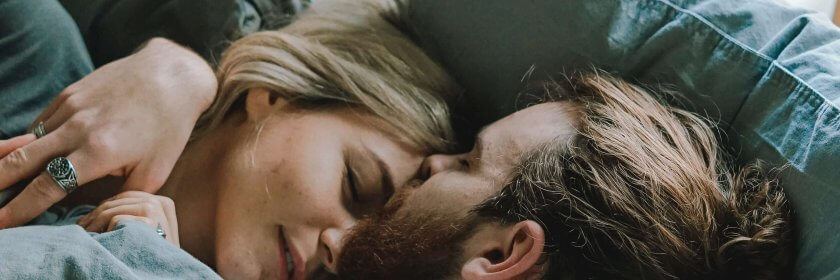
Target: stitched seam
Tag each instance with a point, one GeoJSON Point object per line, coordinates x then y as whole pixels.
{"type": "Point", "coordinates": [773, 62]}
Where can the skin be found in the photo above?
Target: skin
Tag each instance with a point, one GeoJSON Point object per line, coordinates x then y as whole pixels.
{"type": "Point", "coordinates": [234, 194]}
{"type": "Point", "coordinates": [483, 171]}
{"type": "Point", "coordinates": [130, 118]}
{"type": "Point", "coordinates": [457, 183]}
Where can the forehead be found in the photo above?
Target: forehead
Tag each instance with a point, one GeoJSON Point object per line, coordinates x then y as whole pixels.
{"type": "Point", "coordinates": [523, 130]}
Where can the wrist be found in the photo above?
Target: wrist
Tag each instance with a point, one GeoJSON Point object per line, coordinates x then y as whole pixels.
{"type": "Point", "coordinates": [182, 70]}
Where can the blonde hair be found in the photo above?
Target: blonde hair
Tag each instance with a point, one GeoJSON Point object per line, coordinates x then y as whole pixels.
{"type": "Point", "coordinates": [342, 53]}
{"type": "Point", "coordinates": [644, 192]}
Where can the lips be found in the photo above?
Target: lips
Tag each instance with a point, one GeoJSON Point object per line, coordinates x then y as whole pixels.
{"type": "Point", "coordinates": [290, 265]}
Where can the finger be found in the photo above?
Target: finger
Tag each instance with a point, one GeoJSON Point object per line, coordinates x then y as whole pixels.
{"type": "Point", "coordinates": [68, 107]}
{"type": "Point", "coordinates": [122, 218]}
{"type": "Point", "coordinates": [42, 193]}
{"type": "Point", "coordinates": [146, 208]}
{"type": "Point", "coordinates": [7, 146]}
{"type": "Point", "coordinates": [85, 221]}
{"type": "Point", "coordinates": [54, 105]}
{"type": "Point", "coordinates": [172, 220]}
{"type": "Point", "coordinates": [30, 159]}
{"type": "Point", "coordinates": [39, 195]}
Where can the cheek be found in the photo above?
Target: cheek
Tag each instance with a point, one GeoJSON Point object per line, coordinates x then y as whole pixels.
{"type": "Point", "coordinates": [449, 195]}
{"type": "Point", "coordinates": [306, 175]}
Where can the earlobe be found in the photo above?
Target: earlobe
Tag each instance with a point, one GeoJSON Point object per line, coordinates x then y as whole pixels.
{"type": "Point", "coordinates": [259, 103]}
{"type": "Point", "coordinates": [514, 254]}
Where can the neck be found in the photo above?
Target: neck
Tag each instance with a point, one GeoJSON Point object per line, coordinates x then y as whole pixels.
{"type": "Point", "coordinates": [192, 186]}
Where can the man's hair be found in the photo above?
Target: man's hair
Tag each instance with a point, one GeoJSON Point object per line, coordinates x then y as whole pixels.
{"type": "Point", "coordinates": [644, 192]}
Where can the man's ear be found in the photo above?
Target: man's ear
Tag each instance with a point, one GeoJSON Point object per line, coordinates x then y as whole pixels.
{"type": "Point", "coordinates": [259, 104]}
{"type": "Point", "coordinates": [504, 252]}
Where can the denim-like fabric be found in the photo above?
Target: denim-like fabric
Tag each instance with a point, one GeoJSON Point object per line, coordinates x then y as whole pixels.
{"type": "Point", "coordinates": [41, 53]}
{"type": "Point", "coordinates": [768, 72]}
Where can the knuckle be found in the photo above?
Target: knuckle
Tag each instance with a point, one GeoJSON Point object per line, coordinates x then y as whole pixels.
{"type": "Point", "coordinates": [101, 143]}
{"type": "Point", "coordinates": [73, 102]}
{"type": "Point", "coordinates": [46, 188]}
{"type": "Point", "coordinates": [16, 159]}
{"type": "Point", "coordinates": [147, 209]}
{"type": "Point", "coordinates": [167, 202]}
{"type": "Point", "coordinates": [76, 123]}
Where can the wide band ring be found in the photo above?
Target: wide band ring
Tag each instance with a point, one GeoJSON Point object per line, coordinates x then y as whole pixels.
{"type": "Point", "coordinates": [63, 173]}
{"type": "Point", "coordinates": [39, 130]}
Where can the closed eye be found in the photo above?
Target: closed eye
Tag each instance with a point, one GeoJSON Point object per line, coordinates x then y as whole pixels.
{"type": "Point", "coordinates": [352, 183]}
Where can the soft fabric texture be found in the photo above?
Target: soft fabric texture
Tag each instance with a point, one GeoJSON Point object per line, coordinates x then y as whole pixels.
{"type": "Point", "coordinates": [115, 28]}
{"type": "Point", "coordinates": [41, 52]}
{"type": "Point", "coordinates": [767, 72]}
{"type": "Point", "coordinates": [54, 247]}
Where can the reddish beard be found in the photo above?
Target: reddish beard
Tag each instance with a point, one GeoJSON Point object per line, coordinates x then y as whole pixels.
{"type": "Point", "coordinates": [408, 246]}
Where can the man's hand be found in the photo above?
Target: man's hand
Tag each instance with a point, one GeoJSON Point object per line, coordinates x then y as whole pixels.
{"type": "Point", "coordinates": [152, 210]}
{"type": "Point", "coordinates": [130, 118]}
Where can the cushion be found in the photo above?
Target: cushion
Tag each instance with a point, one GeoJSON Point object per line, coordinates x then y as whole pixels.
{"type": "Point", "coordinates": [767, 72]}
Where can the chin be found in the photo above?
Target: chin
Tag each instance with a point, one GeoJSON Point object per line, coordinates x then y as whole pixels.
{"type": "Point", "coordinates": [243, 266]}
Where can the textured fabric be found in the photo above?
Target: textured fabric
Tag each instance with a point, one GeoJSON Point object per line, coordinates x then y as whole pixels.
{"type": "Point", "coordinates": [114, 28]}
{"type": "Point", "coordinates": [767, 72]}
{"type": "Point", "coordinates": [53, 247]}
{"type": "Point", "coordinates": [41, 52]}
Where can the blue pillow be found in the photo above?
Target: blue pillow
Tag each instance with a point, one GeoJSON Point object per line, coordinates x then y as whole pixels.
{"type": "Point", "coordinates": [769, 73]}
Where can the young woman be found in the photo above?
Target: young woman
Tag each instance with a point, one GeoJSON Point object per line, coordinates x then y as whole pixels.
{"type": "Point", "coordinates": [313, 126]}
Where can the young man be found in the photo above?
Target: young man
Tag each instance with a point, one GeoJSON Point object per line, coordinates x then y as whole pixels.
{"type": "Point", "coordinates": [602, 183]}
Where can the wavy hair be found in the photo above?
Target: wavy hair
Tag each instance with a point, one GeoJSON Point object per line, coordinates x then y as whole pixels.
{"type": "Point", "coordinates": [644, 192]}
{"type": "Point", "coordinates": [342, 53]}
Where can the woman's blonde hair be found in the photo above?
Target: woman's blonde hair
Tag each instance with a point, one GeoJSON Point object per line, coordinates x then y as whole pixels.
{"type": "Point", "coordinates": [342, 53]}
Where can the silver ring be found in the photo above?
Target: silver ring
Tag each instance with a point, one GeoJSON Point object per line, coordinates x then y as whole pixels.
{"type": "Point", "coordinates": [39, 130]}
{"type": "Point", "coordinates": [63, 173]}
{"type": "Point", "coordinates": [160, 232]}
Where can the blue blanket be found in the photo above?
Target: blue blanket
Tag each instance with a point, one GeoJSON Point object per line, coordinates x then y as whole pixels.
{"type": "Point", "coordinates": [54, 247]}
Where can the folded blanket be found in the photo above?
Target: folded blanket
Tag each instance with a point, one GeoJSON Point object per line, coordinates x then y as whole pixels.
{"type": "Point", "coordinates": [54, 247]}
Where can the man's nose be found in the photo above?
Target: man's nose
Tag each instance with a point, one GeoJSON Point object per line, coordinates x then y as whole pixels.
{"type": "Point", "coordinates": [332, 241]}
{"type": "Point", "coordinates": [434, 164]}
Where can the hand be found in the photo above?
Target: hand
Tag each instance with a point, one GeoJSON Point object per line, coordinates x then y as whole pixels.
{"type": "Point", "coordinates": [130, 118]}
{"type": "Point", "coordinates": [152, 210]}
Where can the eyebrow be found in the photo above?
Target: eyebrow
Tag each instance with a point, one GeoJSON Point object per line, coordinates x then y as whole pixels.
{"type": "Point", "coordinates": [386, 180]}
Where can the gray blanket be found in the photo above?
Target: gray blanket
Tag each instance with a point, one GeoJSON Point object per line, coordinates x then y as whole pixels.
{"type": "Point", "coordinates": [54, 247]}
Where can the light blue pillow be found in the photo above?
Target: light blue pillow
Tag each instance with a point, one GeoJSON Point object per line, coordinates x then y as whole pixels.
{"type": "Point", "coordinates": [769, 73]}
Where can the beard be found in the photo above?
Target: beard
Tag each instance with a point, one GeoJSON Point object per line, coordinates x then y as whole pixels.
{"type": "Point", "coordinates": [410, 246]}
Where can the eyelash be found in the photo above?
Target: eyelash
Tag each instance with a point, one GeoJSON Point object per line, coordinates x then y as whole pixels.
{"type": "Point", "coordinates": [465, 164]}
{"type": "Point", "coordinates": [351, 184]}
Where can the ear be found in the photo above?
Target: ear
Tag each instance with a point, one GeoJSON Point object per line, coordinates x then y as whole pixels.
{"type": "Point", "coordinates": [504, 252]}
{"type": "Point", "coordinates": [259, 104]}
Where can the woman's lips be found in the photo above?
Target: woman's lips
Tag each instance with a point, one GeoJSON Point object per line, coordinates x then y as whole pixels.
{"type": "Point", "coordinates": [282, 257]}
{"type": "Point", "coordinates": [297, 260]}
{"type": "Point", "coordinates": [294, 268]}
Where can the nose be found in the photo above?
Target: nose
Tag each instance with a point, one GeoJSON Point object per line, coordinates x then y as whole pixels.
{"type": "Point", "coordinates": [434, 164]}
{"type": "Point", "coordinates": [332, 239]}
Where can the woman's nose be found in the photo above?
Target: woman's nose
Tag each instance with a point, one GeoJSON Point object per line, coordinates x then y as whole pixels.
{"type": "Point", "coordinates": [331, 240]}
{"type": "Point", "coordinates": [434, 164]}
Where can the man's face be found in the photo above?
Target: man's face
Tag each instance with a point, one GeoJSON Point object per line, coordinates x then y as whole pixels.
{"type": "Point", "coordinates": [420, 233]}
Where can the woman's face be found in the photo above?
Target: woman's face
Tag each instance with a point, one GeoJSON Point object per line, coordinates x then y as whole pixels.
{"type": "Point", "coordinates": [291, 190]}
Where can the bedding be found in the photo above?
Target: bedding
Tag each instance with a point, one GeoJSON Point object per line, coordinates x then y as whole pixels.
{"type": "Point", "coordinates": [767, 73]}
{"type": "Point", "coordinates": [54, 247]}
